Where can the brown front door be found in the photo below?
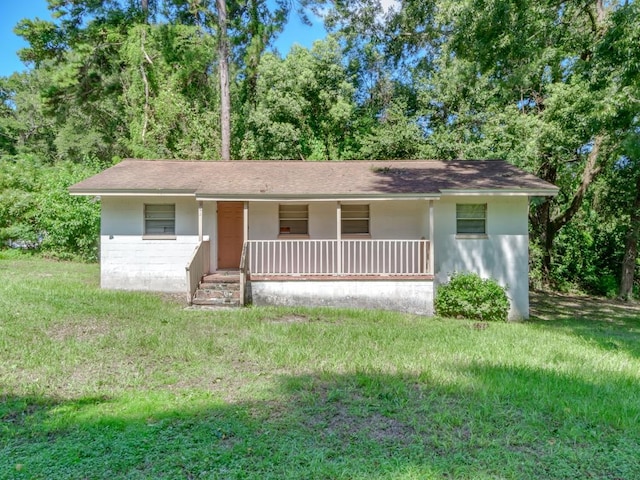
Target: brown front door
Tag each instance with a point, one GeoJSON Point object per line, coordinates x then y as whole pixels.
{"type": "Point", "coordinates": [230, 234]}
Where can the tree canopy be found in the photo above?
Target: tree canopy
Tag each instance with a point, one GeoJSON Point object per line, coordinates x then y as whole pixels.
{"type": "Point", "coordinates": [551, 86]}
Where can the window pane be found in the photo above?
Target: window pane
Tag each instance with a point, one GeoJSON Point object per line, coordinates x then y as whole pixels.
{"type": "Point", "coordinates": [355, 226]}
{"type": "Point", "coordinates": [471, 218]}
{"type": "Point", "coordinates": [355, 211]}
{"type": "Point", "coordinates": [297, 227]}
{"type": "Point", "coordinates": [355, 219]}
{"type": "Point", "coordinates": [160, 219]}
{"type": "Point", "coordinates": [471, 210]}
{"type": "Point", "coordinates": [471, 226]}
{"type": "Point", "coordinates": [160, 227]}
{"type": "Point", "coordinates": [294, 219]}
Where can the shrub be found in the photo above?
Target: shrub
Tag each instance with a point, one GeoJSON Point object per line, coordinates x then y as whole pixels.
{"type": "Point", "coordinates": [469, 296]}
{"type": "Point", "coordinates": [37, 212]}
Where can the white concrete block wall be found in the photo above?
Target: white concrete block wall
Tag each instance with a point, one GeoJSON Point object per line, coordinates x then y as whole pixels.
{"type": "Point", "coordinates": [129, 262]}
{"type": "Point", "coordinates": [502, 255]}
{"type": "Point", "coordinates": [411, 296]}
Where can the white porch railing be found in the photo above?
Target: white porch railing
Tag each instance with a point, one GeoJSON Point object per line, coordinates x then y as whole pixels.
{"type": "Point", "coordinates": [338, 257]}
{"type": "Point", "coordinates": [196, 268]}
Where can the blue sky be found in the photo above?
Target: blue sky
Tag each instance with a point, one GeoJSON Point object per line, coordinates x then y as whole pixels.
{"type": "Point", "coordinates": [12, 11]}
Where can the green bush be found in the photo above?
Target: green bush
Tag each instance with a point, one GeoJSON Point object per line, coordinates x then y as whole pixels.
{"type": "Point", "coordinates": [37, 213]}
{"type": "Point", "coordinates": [469, 296]}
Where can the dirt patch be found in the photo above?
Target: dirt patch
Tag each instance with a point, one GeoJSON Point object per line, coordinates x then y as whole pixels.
{"type": "Point", "coordinates": [177, 298]}
{"type": "Point", "coordinates": [87, 330]}
{"type": "Point", "coordinates": [293, 318]}
{"type": "Point", "coordinates": [558, 306]}
{"type": "Point", "coordinates": [18, 416]}
{"type": "Point", "coordinates": [347, 418]}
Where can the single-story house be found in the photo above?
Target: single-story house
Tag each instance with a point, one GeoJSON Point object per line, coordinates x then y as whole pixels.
{"type": "Point", "coordinates": [379, 234]}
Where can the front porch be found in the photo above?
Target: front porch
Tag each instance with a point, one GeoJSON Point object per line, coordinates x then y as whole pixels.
{"type": "Point", "coordinates": [335, 272]}
{"type": "Point", "coordinates": [323, 252]}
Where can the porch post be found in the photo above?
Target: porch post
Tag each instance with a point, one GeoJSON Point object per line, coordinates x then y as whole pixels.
{"type": "Point", "coordinates": [431, 230]}
{"type": "Point", "coordinates": [200, 221]}
{"type": "Point", "coordinates": [245, 222]}
{"type": "Point", "coordinates": [339, 238]}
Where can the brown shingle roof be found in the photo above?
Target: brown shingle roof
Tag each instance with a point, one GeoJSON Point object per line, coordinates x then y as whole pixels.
{"type": "Point", "coordinates": [256, 179]}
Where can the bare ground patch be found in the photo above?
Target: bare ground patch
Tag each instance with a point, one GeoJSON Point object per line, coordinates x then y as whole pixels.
{"type": "Point", "coordinates": [85, 330]}
{"type": "Point", "coordinates": [558, 306]}
{"type": "Point", "coordinates": [346, 418]}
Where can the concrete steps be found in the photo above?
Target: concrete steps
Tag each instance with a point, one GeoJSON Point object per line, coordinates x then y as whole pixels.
{"type": "Point", "coordinates": [219, 289]}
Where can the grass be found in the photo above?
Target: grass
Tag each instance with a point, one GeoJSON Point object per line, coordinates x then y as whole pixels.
{"type": "Point", "coordinates": [103, 384]}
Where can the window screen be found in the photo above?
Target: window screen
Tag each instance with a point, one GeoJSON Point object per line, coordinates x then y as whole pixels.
{"type": "Point", "coordinates": [471, 218]}
{"type": "Point", "coordinates": [294, 219]}
{"type": "Point", "coordinates": [355, 219]}
{"type": "Point", "coordinates": [160, 219]}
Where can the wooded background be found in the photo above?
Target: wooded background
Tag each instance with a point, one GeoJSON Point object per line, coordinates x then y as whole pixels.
{"type": "Point", "coordinates": [551, 86]}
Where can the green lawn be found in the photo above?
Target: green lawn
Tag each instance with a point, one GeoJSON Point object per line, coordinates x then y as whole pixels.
{"type": "Point", "coordinates": [100, 384]}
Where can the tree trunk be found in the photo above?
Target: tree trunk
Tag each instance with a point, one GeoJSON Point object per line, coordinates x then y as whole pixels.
{"type": "Point", "coordinates": [546, 226]}
{"type": "Point", "coordinates": [540, 219]}
{"type": "Point", "coordinates": [225, 96]}
{"type": "Point", "coordinates": [631, 249]}
{"type": "Point", "coordinates": [590, 172]}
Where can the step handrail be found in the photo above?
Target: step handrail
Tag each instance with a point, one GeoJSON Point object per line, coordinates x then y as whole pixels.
{"type": "Point", "coordinates": [196, 268]}
{"type": "Point", "coordinates": [243, 273]}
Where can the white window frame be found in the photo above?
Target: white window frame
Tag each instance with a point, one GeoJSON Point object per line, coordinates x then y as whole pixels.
{"type": "Point", "coordinates": [352, 214]}
{"type": "Point", "coordinates": [293, 220]}
{"type": "Point", "coordinates": [465, 216]}
{"type": "Point", "coordinates": [163, 217]}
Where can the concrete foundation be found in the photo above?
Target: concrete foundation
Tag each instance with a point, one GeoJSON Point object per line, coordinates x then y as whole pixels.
{"type": "Point", "coordinates": [411, 296]}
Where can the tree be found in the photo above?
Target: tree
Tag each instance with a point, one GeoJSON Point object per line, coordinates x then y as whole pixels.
{"type": "Point", "coordinates": [225, 95]}
{"type": "Point", "coordinates": [630, 259]}
{"type": "Point", "coordinates": [304, 106]}
{"type": "Point", "coordinates": [620, 70]}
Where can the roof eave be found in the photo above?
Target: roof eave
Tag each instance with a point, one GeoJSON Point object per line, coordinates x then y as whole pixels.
{"type": "Point", "coordinates": [315, 197]}
{"type": "Point", "coordinates": [131, 193]}
{"type": "Point", "coordinates": [508, 192]}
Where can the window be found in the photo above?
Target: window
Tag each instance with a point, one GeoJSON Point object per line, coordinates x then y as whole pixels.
{"type": "Point", "coordinates": [160, 219]}
{"type": "Point", "coordinates": [471, 219]}
{"type": "Point", "coordinates": [355, 219]}
{"type": "Point", "coordinates": [294, 219]}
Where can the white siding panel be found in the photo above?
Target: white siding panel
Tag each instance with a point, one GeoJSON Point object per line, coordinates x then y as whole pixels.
{"type": "Point", "coordinates": [405, 219]}
{"type": "Point", "coordinates": [503, 255]}
{"type": "Point", "coordinates": [400, 220]}
{"type": "Point", "coordinates": [125, 215]}
{"type": "Point", "coordinates": [322, 220]}
{"type": "Point", "coordinates": [263, 221]}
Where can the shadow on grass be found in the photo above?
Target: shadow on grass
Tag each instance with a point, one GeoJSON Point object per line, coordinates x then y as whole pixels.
{"type": "Point", "coordinates": [611, 324]}
{"type": "Point", "coordinates": [497, 422]}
